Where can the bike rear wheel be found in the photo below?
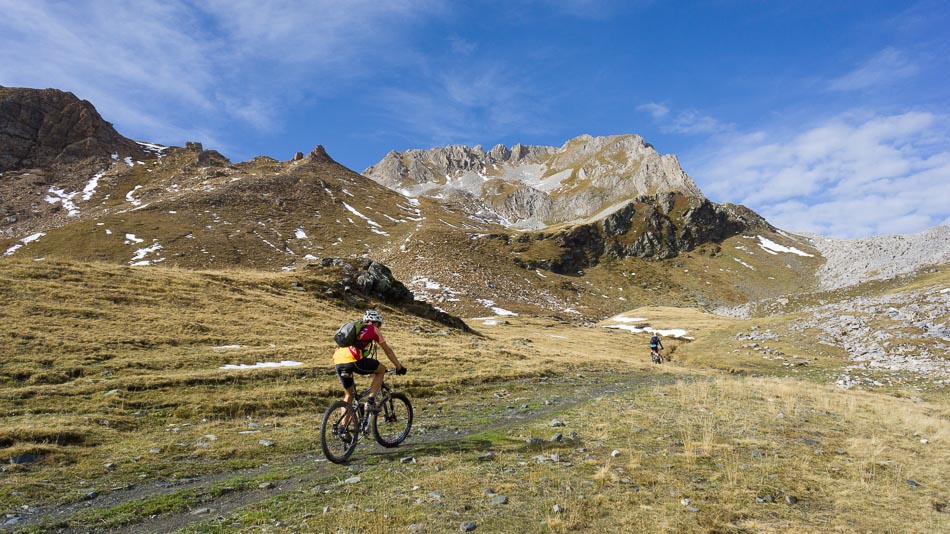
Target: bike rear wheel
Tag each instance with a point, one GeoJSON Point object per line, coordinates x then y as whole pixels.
{"type": "Point", "coordinates": [392, 423]}
{"type": "Point", "coordinates": [337, 440]}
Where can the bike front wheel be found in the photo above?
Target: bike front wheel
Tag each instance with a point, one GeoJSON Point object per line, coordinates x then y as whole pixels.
{"type": "Point", "coordinates": [392, 423]}
{"type": "Point", "coordinates": [339, 432]}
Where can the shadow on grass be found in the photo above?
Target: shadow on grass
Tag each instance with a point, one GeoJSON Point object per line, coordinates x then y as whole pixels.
{"type": "Point", "coordinates": [478, 445]}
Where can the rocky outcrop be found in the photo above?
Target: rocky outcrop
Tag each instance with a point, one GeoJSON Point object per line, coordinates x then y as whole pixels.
{"type": "Point", "coordinates": [319, 155]}
{"type": "Point", "coordinates": [39, 128]}
{"type": "Point", "coordinates": [368, 278]}
{"type": "Point", "coordinates": [651, 227]}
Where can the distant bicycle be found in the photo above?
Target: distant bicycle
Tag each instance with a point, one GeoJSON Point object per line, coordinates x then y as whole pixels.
{"type": "Point", "coordinates": [345, 424]}
{"type": "Point", "coordinates": [656, 356]}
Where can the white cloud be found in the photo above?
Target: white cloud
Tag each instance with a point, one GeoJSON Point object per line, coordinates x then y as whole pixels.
{"type": "Point", "coordinates": [854, 175]}
{"type": "Point", "coordinates": [685, 122]}
{"type": "Point", "coordinates": [655, 110]}
{"type": "Point", "coordinates": [884, 68]}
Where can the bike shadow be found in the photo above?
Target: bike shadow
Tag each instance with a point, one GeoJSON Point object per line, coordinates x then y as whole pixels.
{"type": "Point", "coordinates": [480, 446]}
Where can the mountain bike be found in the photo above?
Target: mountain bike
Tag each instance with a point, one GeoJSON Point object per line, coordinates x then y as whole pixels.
{"type": "Point", "coordinates": [656, 356]}
{"type": "Point", "coordinates": [344, 424]}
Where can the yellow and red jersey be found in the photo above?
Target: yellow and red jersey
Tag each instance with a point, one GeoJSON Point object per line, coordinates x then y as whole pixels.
{"type": "Point", "coordinates": [364, 345]}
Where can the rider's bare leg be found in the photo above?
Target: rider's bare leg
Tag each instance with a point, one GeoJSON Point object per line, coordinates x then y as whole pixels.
{"type": "Point", "coordinates": [349, 395]}
{"type": "Point", "coordinates": [378, 376]}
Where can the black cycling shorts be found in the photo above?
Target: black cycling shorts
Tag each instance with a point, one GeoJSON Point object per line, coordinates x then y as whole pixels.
{"type": "Point", "coordinates": [366, 366]}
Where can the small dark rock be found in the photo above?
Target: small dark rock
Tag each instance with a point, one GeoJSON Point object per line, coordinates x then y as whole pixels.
{"type": "Point", "coordinates": [468, 526]}
{"type": "Point", "coordinates": [25, 458]}
{"type": "Point", "coordinates": [791, 499]}
{"type": "Point", "coordinates": [913, 483]}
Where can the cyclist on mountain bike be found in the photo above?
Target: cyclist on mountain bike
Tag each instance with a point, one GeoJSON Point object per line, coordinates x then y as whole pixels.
{"type": "Point", "coordinates": [360, 359]}
{"type": "Point", "coordinates": [655, 346]}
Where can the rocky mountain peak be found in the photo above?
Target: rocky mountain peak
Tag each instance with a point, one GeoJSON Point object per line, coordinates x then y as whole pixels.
{"type": "Point", "coordinates": [537, 186]}
{"type": "Point", "coordinates": [42, 127]}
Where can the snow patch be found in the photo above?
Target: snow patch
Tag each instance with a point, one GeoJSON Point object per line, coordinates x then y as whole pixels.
{"type": "Point", "coordinates": [65, 198]}
{"type": "Point", "coordinates": [91, 186]}
{"type": "Point", "coordinates": [131, 198]}
{"type": "Point", "coordinates": [744, 263]}
{"type": "Point", "coordinates": [25, 241]}
{"type": "Point", "coordinates": [629, 319]}
{"type": "Point", "coordinates": [262, 365]}
{"type": "Point", "coordinates": [300, 234]}
{"type": "Point", "coordinates": [138, 259]}
{"type": "Point", "coordinates": [360, 215]}
{"type": "Point", "coordinates": [772, 248]}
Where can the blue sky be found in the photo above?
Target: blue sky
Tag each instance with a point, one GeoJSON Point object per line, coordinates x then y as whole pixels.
{"type": "Point", "coordinates": [826, 117]}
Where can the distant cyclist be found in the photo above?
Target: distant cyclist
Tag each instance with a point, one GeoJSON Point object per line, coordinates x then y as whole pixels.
{"type": "Point", "coordinates": [655, 347]}
{"type": "Point", "coordinates": [360, 359]}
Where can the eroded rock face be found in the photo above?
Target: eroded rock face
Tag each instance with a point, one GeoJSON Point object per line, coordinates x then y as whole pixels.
{"type": "Point", "coordinates": [651, 227]}
{"type": "Point", "coordinates": [42, 127]}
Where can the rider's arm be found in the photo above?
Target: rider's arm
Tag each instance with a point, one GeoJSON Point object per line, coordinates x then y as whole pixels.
{"type": "Point", "coordinates": [389, 352]}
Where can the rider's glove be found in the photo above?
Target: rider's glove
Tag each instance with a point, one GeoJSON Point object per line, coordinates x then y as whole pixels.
{"type": "Point", "coordinates": [401, 371]}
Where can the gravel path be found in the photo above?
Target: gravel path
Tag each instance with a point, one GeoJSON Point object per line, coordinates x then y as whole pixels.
{"type": "Point", "coordinates": [499, 401]}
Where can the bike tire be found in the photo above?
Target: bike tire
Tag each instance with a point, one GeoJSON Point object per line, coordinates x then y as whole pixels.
{"type": "Point", "coordinates": [339, 446]}
{"type": "Point", "coordinates": [392, 423]}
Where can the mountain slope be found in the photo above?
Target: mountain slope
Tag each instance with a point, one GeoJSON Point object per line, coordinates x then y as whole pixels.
{"type": "Point", "coordinates": [193, 208]}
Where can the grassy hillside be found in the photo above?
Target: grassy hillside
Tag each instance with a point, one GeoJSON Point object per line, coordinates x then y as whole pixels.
{"type": "Point", "coordinates": [194, 209]}
{"type": "Point", "coordinates": [117, 413]}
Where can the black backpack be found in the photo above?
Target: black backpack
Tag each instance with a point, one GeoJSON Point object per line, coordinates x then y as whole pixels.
{"type": "Point", "coordinates": [347, 334]}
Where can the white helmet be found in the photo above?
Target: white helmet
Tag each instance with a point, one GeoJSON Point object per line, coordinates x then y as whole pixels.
{"type": "Point", "coordinates": [372, 317]}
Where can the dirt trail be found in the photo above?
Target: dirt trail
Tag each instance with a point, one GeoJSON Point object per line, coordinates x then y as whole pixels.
{"type": "Point", "coordinates": [451, 425]}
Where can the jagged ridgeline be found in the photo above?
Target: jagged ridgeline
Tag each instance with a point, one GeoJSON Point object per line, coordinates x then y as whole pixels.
{"type": "Point", "coordinates": [467, 230]}
{"type": "Point", "coordinates": [538, 186]}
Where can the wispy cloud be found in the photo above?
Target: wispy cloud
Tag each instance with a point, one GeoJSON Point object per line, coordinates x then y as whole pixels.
{"type": "Point", "coordinates": [657, 111]}
{"type": "Point", "coordinates": [884, 68]}
{"type": "Point", "coordinates": [684, 122]}
{"type": "Point", "coordinates": [219, 61]}
{"type": "Point", "coordinates": [464, 105]}
{"type": "Point", "coordinates": [853, 175]}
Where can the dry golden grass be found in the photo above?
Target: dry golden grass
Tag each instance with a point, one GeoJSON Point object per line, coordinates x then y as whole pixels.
{"type": "Point", "coordinates": [111, 375]}
{"type": "Point", "coordinates": [727, 455]}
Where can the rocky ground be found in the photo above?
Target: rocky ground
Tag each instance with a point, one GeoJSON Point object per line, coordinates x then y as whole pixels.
{"type": "Point", "coordinates": [852, 261]}
{"type": "Point", "coordinates": [903, 335]}
{"type": "Point", "coordinates": [898, 339]}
